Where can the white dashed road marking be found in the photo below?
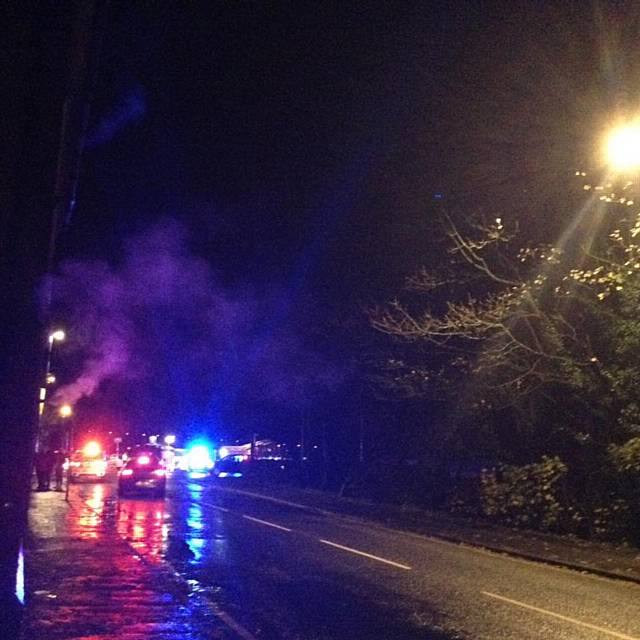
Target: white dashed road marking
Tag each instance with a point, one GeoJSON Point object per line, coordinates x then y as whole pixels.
{"type": "Point", "coordinates": [269, 524]}
{"type": "Point", "coordinates": [213, 506]}
{"type": "Point", "coordinates": [366, 555]}
{"type": "Point", "coordinates": [559, 616]}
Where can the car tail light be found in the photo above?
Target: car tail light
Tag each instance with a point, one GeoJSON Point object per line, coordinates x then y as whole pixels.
{"type": "Point", "coordinates": [158, 472]}
{"type": "Point", "coordinates": [143, 460]}
{"type": "Point", "coordinates": [126, 472]}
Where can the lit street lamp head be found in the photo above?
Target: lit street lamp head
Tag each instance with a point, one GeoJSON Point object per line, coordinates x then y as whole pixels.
{"type": "Point", "coordinates": [58, 336]}
{"type": "Point", "coordinates": [66, 411]}
{"type": "Point", "coordinates": [622, 148]}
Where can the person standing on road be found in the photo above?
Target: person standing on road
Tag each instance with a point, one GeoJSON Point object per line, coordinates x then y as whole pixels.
{"type": "Point", "coordinates": [44, 466]}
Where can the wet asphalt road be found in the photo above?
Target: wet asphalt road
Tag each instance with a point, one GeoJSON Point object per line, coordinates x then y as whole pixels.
{"type": "Point", "coordinates": [271, 570]}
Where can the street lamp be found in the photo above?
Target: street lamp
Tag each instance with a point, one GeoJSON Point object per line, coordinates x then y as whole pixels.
{"type": "Point", "coordinates": [55, 336]}
{"type": "Point", "coordinates": [65, 411]}
{"type": "Point", "coordinates": [622, 148]}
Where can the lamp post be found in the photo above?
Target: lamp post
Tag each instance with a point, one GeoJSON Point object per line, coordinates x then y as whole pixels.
{"type": "Point", "coordinates": [66, 412]}
{"type": "Point", "coordinates": [56, 336]}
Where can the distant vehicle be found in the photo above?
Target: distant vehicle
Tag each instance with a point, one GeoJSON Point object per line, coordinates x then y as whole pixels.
{"type": "Point", "coordinates": [198, 459]}
{"type": "Point", "coordinates": [116, 461]}
{"type": "Point", "coordinates": [260, 470]}
{"type": "Point", "coordinates": [180, 460]}
{"type": "Point", "coordinates": [87, 463]}
{"type": "Point", "coordinates": [144, 472]}
{"type": "Point", "coordinates": [234, 466]}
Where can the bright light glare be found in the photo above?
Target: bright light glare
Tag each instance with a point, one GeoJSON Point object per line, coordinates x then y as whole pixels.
{"type": "Point", "coordinates": [66, 410]}
{"type": "Point", "coordinates": [92, 449]}
{"type": "Point", "coordinates": [199, 458]}
{"type": "Point", "coordinates": [57, 335]}
{"type": "Point", "coordinates": [170, 439]}
{"type": "Point", "coordinates": [126, 472]}
{"type": "Point", "coordinates": [623, 148]}
{"type": "Point", "coordinates": [144, 460]}
{"type": "Point", "coordinates": [223, 452]}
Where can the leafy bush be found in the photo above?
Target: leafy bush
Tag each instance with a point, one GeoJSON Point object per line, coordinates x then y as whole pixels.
{"type": "Point", "coordinates": [526, 496]}
{"type": "Point", "coordinates": [611, 522]}
{"type": "Point", "coordinates": [626, 457]}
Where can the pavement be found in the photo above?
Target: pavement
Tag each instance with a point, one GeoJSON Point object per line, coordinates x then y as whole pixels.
{"type": "Point", "coordinates": [220, 560]}
{"type": "Point", "coordinates": [84, 581]}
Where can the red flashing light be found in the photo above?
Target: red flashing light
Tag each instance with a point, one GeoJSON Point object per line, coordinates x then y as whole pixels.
{"type": "Point", "coordinates": [92, 449]}
{"type": "Point", "coordinates": [143, 460]}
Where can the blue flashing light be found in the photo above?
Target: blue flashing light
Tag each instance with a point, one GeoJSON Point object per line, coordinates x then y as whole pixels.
{"type": "Point", "coordinates": [199, 458]}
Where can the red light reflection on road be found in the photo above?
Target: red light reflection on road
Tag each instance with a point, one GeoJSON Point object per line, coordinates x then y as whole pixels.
{"type": "Point", "coordinates": [142, 524]}
{"type": "Point", "coordinates": [86, 522]}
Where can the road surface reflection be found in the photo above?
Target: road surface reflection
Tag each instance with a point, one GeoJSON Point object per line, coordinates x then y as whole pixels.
{"type": "Point", "coordinates": [85, 522]}
{"type": "Point", "coordinates": [144, 525]}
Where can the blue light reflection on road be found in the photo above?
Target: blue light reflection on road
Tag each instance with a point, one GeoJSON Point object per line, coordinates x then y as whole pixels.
{"type": "Point", "coordinates": [195, 524]}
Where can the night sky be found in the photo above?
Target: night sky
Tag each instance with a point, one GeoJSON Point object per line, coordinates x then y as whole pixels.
{"type": "Point", "coordinates": [266, 127]}
{"type": "Point", "coordinates": [271, 167]}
